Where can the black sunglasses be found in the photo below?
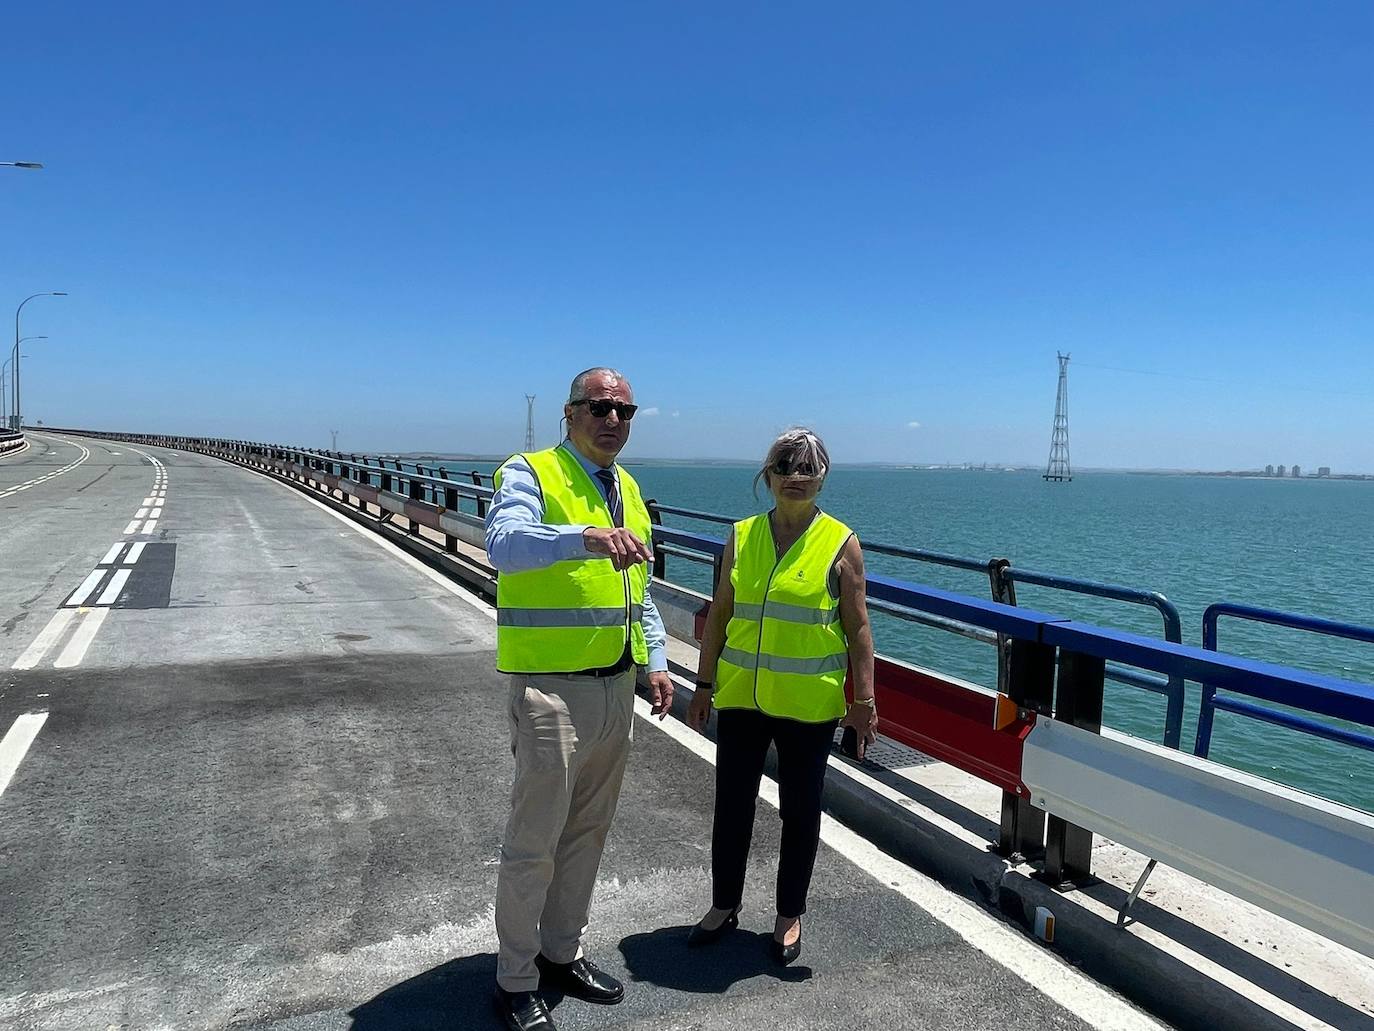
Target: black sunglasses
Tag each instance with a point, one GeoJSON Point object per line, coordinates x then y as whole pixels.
{"type": "Point", "coordinates": [600, 408]}
{"type": "Point", "coordinates": [784, 467]}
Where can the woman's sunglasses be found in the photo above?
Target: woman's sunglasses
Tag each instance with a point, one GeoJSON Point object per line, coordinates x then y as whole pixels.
{"type": "Point", "coordinates": [601, 408]}
{"type": "Point", "coordinates": [784, 467]}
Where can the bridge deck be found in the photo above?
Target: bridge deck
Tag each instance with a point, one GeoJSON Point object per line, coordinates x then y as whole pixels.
{"type": "Point", "coordinates": [273, 775]}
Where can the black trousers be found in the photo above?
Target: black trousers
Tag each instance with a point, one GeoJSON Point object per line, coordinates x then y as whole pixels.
{"type": "Point", "coordinates": [742, 739]}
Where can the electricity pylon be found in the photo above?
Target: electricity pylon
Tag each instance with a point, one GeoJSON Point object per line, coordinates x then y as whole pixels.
{"type": "Point", "coordinates": [1058, 468]}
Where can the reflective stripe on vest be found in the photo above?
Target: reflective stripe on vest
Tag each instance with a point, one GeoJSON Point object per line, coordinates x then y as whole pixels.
{"type": "Point", "coordinates": [580, 613]}
{"type": "Point", "coordinates": [567, 617]}
{"type": "Point", "coordinates": [785, 651]}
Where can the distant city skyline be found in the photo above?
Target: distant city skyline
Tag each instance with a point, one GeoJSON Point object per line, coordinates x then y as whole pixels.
{"type": "Point", "coordinates": [881, 222]}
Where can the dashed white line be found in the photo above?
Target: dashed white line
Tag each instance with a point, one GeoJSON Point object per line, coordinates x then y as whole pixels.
{"type": "Point", "coordinates": [148, 526]}
{"type": "Point", "coordinates": [79, 596]}
{"type": "Point", "coordinates": [111, 593]}
{"type": "Point", "coordinates": [150, 501]}
{"type": "Point", "coordinates": [85, 454]}
{"type": "Point", "coordinates": [140, 513]}
{"type": "Point", "coordinates": [134, 552]}
{"type": "Point", "coordinates": [46, 638]}
{"type": "Point", "coordinates": [15, 744]}
{"type": "Point", "coordinates": [81, 640]}
{"type": "Point", "coordinates": [156, 512]}
{"type": "Point", "coordinates": [112, 554]}
{"type": "Point", "coordinates": [132, 527]}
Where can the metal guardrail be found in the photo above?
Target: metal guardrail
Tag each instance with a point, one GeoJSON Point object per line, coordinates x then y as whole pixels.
{"type": "Point", "coordinates": [1211, 701]}
{"type": "Point", "coordinates": [10, 440]}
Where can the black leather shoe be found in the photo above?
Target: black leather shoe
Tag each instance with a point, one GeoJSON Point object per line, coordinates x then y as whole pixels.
{"type": "Point", "coordinates": [699, 936]}
{"type": "Point", "coordinates": [522, 1011]}
{"type": "Point", "coordinates": [785, 954]}
{"type": "Point", "coordinates": [581, 979]}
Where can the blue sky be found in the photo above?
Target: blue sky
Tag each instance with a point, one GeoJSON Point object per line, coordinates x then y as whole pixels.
{"type": "Point", "coordinates": [396, 220]}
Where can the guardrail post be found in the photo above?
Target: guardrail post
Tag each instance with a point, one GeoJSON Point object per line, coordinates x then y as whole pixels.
{"type": "Point", "coordinates": [1030, 684]}
{"type": "Point", "coordinates": [450, 505]}
{"type": "Point", "coordinates": [413, 491]}
{"type": "Point", "coordinates": [660, 556]}
{"type": "Point", "coordinates": [1003, 592]}
{"type": "Point", "coordinates": [481, 502]}
{"type": "Point", "coordinates": [1078, 701]}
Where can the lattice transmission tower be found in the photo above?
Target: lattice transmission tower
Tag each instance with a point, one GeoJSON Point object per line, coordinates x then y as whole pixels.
{"type": "Point", "coordinates": [529, 422]}
{"type": "Point", "coordinates": [1058, 468]}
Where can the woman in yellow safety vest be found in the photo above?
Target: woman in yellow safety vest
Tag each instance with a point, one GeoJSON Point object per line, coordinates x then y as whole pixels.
{"type": "Point", "coordinates": [788, 618]}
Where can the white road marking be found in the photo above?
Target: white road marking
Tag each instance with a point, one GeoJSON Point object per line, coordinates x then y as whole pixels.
{"type": "Point", "coordinates": [156, 512]}
{"type": "Point", "coordinates": [141, 513]}
{"type": "Point", "coordinates": [112, 554]}
{"type": "Point", "coordinates": [78, 597]}
{"type": "Point", "coordinates": [148, 526]}
{"type": "Point", "coordinates": [81, 640]}
{"type": "Point", "coordinates": [1003, 944]}
{"type": "Point", "coordinates": [111, 593]}
{"type": "Point", "coordinates": [85, 454]}
{"type": "Point", "coordinates": [15, 745]}
{"type": "Point", "coordinates": [149, 501]}
{"type": "Point", "coordinates": [34, 653]}
{"type": "Point", "coordinates": [131, 528]}
{"type": "Point", "coordinates": [134, 552]}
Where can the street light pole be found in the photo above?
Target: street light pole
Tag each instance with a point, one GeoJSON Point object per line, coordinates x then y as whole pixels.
{"type": "Point", "coordinates": [17, 415]}
{"type": "Point", "coordinates": [4, 370]}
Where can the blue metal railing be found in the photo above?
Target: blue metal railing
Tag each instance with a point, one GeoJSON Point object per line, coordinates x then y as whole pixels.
{"type": "Point", "coordinates": [1211, 701]}
{"type": "Point", "coordinates": [1178, 663]}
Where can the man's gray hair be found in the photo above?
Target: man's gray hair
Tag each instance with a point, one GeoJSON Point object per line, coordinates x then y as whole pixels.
{"type": "Point", "coordinates": [797, 445]}
{"type": "Point", "coordinates": [578, 390]}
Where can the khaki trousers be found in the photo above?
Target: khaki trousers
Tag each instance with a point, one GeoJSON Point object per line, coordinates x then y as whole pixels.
{"type": "Point", "coordinates": [571, 738]}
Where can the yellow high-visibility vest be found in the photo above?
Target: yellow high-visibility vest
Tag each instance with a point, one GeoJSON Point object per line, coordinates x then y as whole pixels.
{"type": "Point", "coordinates": [577, 614]}
{"type": "Point", "coordinates": [785, 652]}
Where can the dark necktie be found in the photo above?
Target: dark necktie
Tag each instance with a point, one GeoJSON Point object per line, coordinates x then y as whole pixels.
{"type": "Point", "coordinates": [607, 479]}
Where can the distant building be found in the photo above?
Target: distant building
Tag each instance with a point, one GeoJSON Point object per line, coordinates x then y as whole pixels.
{"type": "Point", "coordinates": [1323, 471]}
{"type": "Point", "coordinates": [1296, 472]}
{"type": "Point", "coordinates": [1281, 471]}
{"type": "Point", "coordinates": [1268, 470]}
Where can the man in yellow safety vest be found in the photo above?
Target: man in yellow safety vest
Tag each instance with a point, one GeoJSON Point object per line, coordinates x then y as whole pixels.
{"type": "Point", "coordinates": [570, 537]}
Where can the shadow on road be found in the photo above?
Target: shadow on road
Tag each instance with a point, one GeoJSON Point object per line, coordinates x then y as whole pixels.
{"type": "Point", "coordinates": [454, 995]}
{"type": "Point", "coordinates": [662, 957]}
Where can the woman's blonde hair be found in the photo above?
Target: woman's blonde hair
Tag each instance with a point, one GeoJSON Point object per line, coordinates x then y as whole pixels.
{"type": "Point", "coordinates": [796, 446]}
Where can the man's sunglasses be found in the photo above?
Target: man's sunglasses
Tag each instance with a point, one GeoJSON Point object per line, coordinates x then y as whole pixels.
{"type": "Point", "coordinates": [600, 408]}
{"type": "Point", "coordinates": [784, 467]}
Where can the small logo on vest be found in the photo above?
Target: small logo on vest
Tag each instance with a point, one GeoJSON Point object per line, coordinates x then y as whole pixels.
{"type": "Point", "coordinates": [801, 574]}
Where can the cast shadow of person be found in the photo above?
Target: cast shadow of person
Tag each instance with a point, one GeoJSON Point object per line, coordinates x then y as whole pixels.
{"type": "Point", "coordinates": [453, 995]}
{"type": "Point", "coordinates": [662, 958]}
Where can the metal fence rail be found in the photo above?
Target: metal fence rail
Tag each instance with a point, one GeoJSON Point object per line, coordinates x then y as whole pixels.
{"type": "Point", "coordinates": [1211, 701]}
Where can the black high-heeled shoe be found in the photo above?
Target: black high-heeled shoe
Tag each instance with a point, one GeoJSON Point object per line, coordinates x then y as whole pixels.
{"type": "Point", "coordinates": [699, 936]}
{"type": "Point", "coordinates": [785, 954]}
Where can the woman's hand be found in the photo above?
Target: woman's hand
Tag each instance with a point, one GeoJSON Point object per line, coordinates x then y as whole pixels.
{"type": "Point", "coordinates": [699, 709]}
{"type": "Point", "coordinates": [864, 720]}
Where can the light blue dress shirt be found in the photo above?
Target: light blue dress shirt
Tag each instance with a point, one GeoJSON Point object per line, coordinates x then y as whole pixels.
{"type": "Point", "coordinates": [518, 539]}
